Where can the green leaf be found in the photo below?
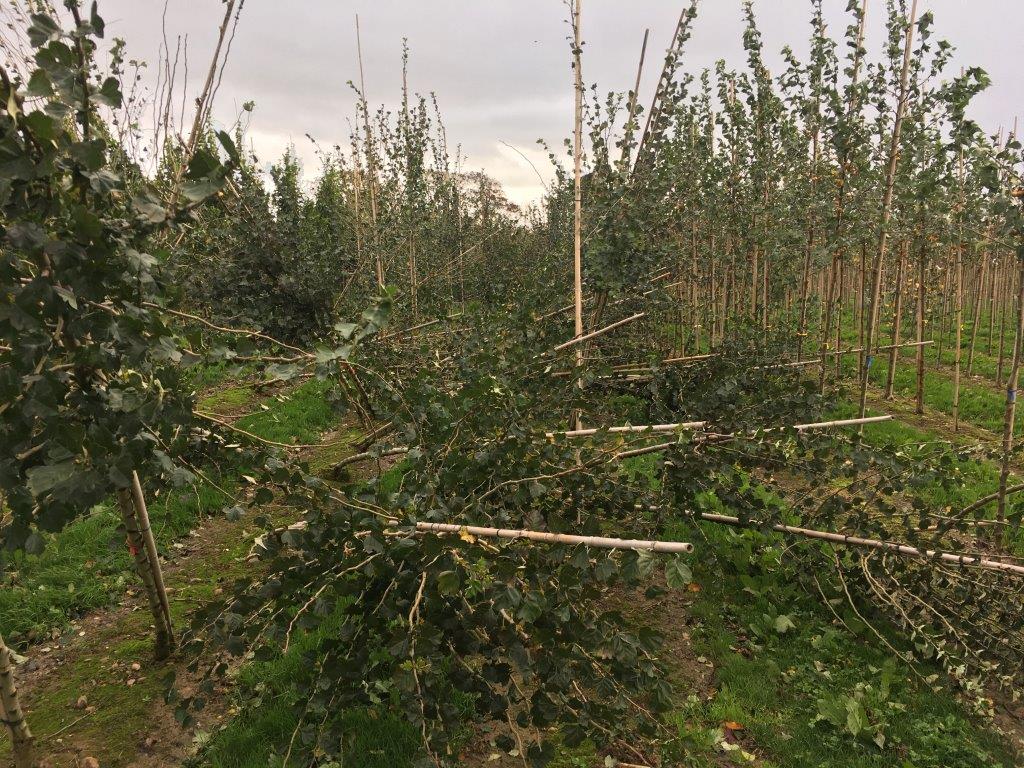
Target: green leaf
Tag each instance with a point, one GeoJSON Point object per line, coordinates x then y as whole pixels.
{"type": "Point", "coordinates": [678, 573]}
{"type": "Point", "coordinates": [109, 94]}
{"type": "Point", "coordinates": [784, 623]}
{"type": "Point", "coordinates": [346, 329]}
{"type": "Point", "coordinates": [856, 717]}
{"type": "Point", "coordinates": [229, 146]}
{"type": "Point", "coordinates": [43, 30]}
{"type": "Point", "coordinates": [45, 477]}
{"type": "Point", "coordinates": [35, 544]}
{"type": "Point", "coordinates": [197, 191]}
{"type": "Point", "coordinates": [448, 582]}
{"type": "Point", "coordinates": [149, 208]}
{"type": "Point", "coordinates": [96, 21]}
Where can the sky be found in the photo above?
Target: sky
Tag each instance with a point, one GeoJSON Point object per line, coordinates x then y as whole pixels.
{"type": "Point", "coordinates": [501, 68]}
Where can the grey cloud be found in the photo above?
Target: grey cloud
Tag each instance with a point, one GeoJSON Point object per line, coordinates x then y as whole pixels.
{"type": "Point", "coordinates": [500, 68]}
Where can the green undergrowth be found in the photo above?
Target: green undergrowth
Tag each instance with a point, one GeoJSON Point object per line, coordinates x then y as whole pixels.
{"type": "Point", "coordinates": [87, 566]}
{"type": "Point", "coordinates": [256, 737]}
{"type": "Point", "coordinates": [809, 693]}
{"type": "Point", "coordinates": [980, 404]}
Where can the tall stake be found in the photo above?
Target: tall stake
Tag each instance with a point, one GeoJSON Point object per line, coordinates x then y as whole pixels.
{"type": "Point", "coordinates": [959, 299]}
{"type": "Point", "coordinates": [140, 554]}
{"type": "Point", "coordinates": [833, 306]}
{"type": "Point", "coordinates": [922, 273]}
{"type": "Point", "coordinates": [886, 214]}
{"type": "Point", "coordinates": [577, 227]}
{"type": "Point", "coordinates": [11, 711]}
{"type": "Point", "coordinates": [1011, 395]}
{"type": "Point", "coordinates": [370, 166]}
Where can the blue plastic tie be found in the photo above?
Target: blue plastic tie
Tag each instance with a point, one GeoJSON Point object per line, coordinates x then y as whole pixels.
{"type": "Point", "coordinates": [1011, 395]}
{"type": "Point", "coordinates": [870, 360]}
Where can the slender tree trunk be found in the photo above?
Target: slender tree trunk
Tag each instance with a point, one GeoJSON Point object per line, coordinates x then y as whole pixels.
{"type": "Point", "coordinates": [982, 275]}
{"type": "Point", "coordinates": [809, 248]}
{"type": "Point", "coordinates": [958, 298]}
{"type": "Point", "coordinates": [886, 214]}
{"type": "Point", "coordinates": [12, 713]}
{"type": "Point", "coordinates": [370, 164]}
{"type": "Point", "coordinates": [839, 319]}
{"type": "Point", "coordinates": [804, 290]}
{"type": "Point", "coordinates": [1011, 396]}
{"type": "Point", "coordinates": [922, 272]}
{"type": "Point", "coordinates": [897, 317]}
{"type": "Point", "coordinates": [1003, 302]}
{"type": "Point", "coordinates": [991, 305]}
{"type": "Point", "coordinates": [694, 297]}
{"type": "Point", "coordinates": [862, 304]}
{"type": "Point", "coordinates": [147, 563]}
{"type": "Point", "coordinates": [140, 555]}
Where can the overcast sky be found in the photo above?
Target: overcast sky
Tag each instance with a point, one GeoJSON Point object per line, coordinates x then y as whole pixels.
{"type": "Point", "coordinates": [500, 68]}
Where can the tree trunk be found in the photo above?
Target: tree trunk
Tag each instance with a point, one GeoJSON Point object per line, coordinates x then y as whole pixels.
{"type": "Point", "coordinates": [922, 271]}
{"type": "Point", "coordinates": [958, 318]}
{"type": "Point", "coordinates": [897, 316]}
{"type": "Point", "coordinates": [147, 572]}
{"type": "Point", "coordinates": [886, 213]}
{"type": "Point", "coordinates": [1009, 414]}
{"type": "Point", "coordinates": [983, 273]}
{"type": "Point", "coordinates": [12, 713]}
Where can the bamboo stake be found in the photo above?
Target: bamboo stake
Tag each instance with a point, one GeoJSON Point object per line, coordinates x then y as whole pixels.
{"type": "Point", "coordinates": [921, 297]}
{"type": "Point", "coordinates": [959, 299]}
{"type": "Point", "coordinates": [577, 226]}
{"type": "Point", "coordinates": [1005, 299]}
{"type": "Point", "coordinates": [629, 429]}
{"type": "Point", "coordinates": [598, 542]}
{"type": "Point", "coordinates": [624, 160]}
{"type": "Point", "coordinates": [886, 213]}
{"type": "Point", "coordinates": [12, 713]}
{"type": "Point", "coordinates": [357, 457]}
{"type": "Point", "coordinates": [883, 348]}
{"type": "Point", "coordinates": [370, 166]}
{"type": "Point", "coordinates": [958, 334]}
{"type": "Point", "coordinates": [140, 554]}
{"type": "Point", "coordinates": [146, 534]}
{"type": "Point", "coordinates": [595, 334]}
{"type": "Point", "coordinates": [202, 103]}
{"type": "Point", "coordinates": [732, 436]}
{"type": "Point", "coordinates": [857, 541]}
{"type": "Point", "coordinates": [839, 258]}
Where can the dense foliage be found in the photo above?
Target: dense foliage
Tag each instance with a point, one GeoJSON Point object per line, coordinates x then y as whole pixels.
{"type": "Point", "coordinates": [732, 237]}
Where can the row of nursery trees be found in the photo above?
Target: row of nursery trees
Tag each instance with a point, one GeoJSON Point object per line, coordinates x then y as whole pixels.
{"type": "Point", "coordinates": [737, 225]}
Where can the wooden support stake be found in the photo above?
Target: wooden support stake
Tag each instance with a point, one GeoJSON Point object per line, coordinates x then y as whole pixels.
{"type": "Point", "coordinates": [630, 429]}
{"type": "Point", "coordinates": [598, 332]}
{"type": "Point", "coordinates": [890, 546]}
{"type": "Point", "coordinates": [140, 554]}
{"type": "Point", "coordinates": [577, 225]}
{"type": "Point", "coordinates": [886, 212]}
{"type": "Point", "coordinates": [145, 531]}
{"type": "Point", "coordinates": [598, 542]}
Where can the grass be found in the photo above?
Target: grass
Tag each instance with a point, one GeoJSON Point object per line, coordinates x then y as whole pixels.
{"type": "Point", "coordinates": [87, 567]}
{"type": "Point", "coordinates": [776, 684]}
{"type": "Point", "coordinates": [255, 737]}
{"type": "Point", "coordinates": [770, 683]}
